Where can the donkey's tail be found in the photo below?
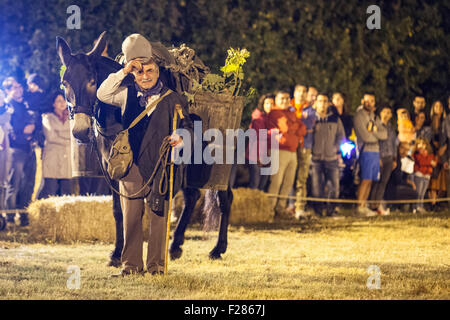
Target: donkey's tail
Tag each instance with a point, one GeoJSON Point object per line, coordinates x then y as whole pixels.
{"type": "Point", "coordinates": [211, 210]}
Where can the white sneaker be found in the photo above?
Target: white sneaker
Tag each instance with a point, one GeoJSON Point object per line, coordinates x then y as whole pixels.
{"type": "Point", "coordinates": [383, 212]}
{"type": "Point", "coordinates": [421, 210]}
{"type": "Point", "coordinates": [366, 212]}
{"type": "Point", "coordinates": [301, 214]}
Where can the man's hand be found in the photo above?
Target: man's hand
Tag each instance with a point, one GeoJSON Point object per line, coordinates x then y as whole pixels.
{"type": "Point", "coordinates": [446, 165]}
{"type": "Point", "coordinates": [131, 66]}
{"type": "Point", "coordinates": [394, 165]}
{"type": "Point", "coordinates": [29, 129]}
{"type": "Point", "coordinates": [280, 138]}
{"type": "Point", "coordinates": [413, 185]}
{"type": "Point", "coordinates": [282, 124]}
{"type": "Point", "coordinates": [176, 141]}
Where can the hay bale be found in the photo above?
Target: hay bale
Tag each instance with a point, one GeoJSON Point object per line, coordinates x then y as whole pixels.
{"type": "Point", "coordinates": [74, 218]}
{"type": "Point", "coordinates": [250, 206]}
{"type": "Point", "coordinates": [88, 218]}
{"type": "Point", "coordinates": [178, 206]}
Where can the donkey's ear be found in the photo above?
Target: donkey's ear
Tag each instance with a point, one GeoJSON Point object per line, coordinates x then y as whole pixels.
{"type": "Point", "coordinates": [100, 45]}
{"type": "Point", "coordinates": [64, 51]}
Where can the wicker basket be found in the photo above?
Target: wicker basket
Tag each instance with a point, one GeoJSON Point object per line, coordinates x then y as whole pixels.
{"type": "Point", "coordinates": [218, 111]}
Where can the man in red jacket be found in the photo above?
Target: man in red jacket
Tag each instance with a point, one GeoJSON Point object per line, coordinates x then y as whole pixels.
{"type": "Point", "coordinates": [291, 131]}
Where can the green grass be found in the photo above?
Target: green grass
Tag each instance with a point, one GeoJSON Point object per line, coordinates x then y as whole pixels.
{"type": "Point", "coordinates": [320, 259]}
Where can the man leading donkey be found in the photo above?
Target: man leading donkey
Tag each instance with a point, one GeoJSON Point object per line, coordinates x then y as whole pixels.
{"type": "Point", "coordinates": [134, 88]}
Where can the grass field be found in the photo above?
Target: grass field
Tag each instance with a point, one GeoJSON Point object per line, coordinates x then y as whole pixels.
{"type": "Point", "coordinates": [320, 259]}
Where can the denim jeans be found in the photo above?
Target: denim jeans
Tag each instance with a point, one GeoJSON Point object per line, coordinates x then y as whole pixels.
{"type": "Point", "coordinates": [322, 173]}
{"type": "Point", "coordinates": [56, 187]}
{"type": "Point", "coordinates": [379, 187]}
{"type": "Point", "coordinates": [23, 166]}
{"type": "Point", "coordinates": [421, 188]}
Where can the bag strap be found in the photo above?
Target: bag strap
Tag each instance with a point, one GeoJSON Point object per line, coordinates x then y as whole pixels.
{"type": "Point", "coordinates": [151, 106]}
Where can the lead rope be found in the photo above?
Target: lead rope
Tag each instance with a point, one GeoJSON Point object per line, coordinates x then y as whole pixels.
{"type": "Point", "coordinates": [163, 157]}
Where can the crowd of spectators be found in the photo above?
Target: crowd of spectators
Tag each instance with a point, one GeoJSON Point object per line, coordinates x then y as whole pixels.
{"type": "Point", "coordinates": [390, 162]}
{"type": "Point", "coordinates": [406, 161]}
{"type": "Point", "coordinates": [31, 119]}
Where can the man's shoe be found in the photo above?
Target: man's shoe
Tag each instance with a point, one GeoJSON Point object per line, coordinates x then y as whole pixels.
{"type": "Point", "coordinates": [383, 212]}
{"type": "Point", "coordinates": [301, 214]}
{"type": "Point", "coordinates": [366, 212]}
{"type": "Point", "coordinates": [156, 273]}
{"type": "Point", "coordinates": [421, 210]}
{"type": "Point", "coordinates": [333, 214]}
{"type": "Point", "coordinates": [124, 273]}
{"type": "Point", "coordinates": [284, 214]}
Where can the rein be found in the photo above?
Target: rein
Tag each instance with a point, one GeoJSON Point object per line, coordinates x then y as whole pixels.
{"type": "Point", "coordinates": [163, 159]}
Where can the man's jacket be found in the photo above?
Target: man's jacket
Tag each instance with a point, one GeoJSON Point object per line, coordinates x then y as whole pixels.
{"type": "Point", "coordinates": [327, 137]}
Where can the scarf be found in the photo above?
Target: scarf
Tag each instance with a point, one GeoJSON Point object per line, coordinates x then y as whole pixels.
{"type": "Point", "coordinates": [156, 89]}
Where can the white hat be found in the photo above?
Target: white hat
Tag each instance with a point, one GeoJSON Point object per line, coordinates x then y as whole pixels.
{"type": "Point", "coordinates": [136, 46]}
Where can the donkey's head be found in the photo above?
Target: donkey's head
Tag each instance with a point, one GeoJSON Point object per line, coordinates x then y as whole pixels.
{"type": "Point", "coordinates": [80, 83]}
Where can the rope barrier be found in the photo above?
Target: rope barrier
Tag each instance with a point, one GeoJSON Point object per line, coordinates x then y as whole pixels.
{"type": "Point", "coordinates": [272, 195]}
{"type": "Point", "coordinates": [354, 201]}
{"type": "Point", "coordinates": [11, 211]}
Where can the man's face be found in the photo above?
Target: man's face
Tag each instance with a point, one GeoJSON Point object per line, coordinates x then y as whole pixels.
{"type": "Point", "coordinates": [282, 100]}
{"type": "Point", "coordinates": [33, 87]}
{"type": "Point", "coordinates": [321, 104]}
{"type": "Point", "coordinates": [300, 93]}
{"type": "Point", "coordinates": [147, 77]}
{"type": "Point", "coordinates": [312, 95]}
{"type": "Point", "coordinates": [15, 90]}
{"type": "Point", "coordinates": [419, 103]}
{"type": "Point", "coordinates": [369, 102]}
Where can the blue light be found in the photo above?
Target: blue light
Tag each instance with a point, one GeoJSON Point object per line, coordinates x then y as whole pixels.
{"type": "Point", "coordinates": [347, 149]}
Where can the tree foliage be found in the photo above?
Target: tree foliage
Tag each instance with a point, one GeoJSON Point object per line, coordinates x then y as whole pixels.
{"type": "Point", "coordinates": [314, 42]}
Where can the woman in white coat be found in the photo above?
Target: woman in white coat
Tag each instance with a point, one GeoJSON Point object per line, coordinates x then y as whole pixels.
{"type": "Point", "coordinates": [56, 162]}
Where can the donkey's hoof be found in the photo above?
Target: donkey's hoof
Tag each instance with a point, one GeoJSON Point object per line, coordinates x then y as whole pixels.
{"type": "Point", "coordinates": [114, 262]}
{"type": "Point", "coordinates": [175, 253]}
{"type": "Point", "coordinates": [215, 255]}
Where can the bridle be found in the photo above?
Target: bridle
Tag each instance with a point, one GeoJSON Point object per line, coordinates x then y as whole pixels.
{"type": "Point", "coordinates": [86, 109]}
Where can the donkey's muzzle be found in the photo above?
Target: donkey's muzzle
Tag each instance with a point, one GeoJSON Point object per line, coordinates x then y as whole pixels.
{"type": "Point", "coordinates": [82, 127]}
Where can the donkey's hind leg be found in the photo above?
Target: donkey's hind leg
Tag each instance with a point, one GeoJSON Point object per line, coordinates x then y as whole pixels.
{"type": "Point", "coordinates": [225, 201]}
{"type": "Point", "coordinates": [191, 196]}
